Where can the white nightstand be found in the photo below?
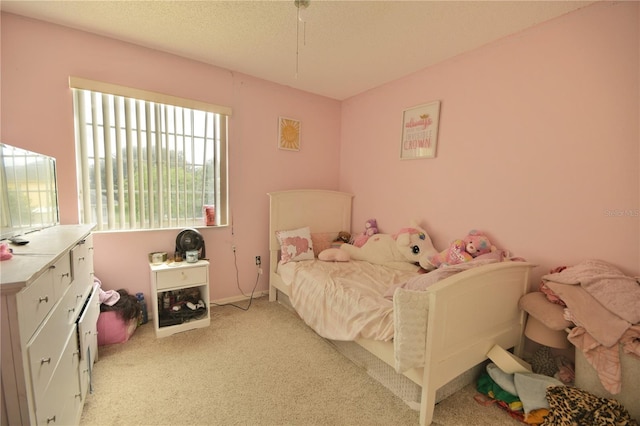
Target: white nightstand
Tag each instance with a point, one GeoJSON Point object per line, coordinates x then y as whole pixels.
{"type": "Point", "coordinates": [175, 289]}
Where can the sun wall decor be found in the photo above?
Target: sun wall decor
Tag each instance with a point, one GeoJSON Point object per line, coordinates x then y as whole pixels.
{"type": "Point", "coordinates": [288, 134]}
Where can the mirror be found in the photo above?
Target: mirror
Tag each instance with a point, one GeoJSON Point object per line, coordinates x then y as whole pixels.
{"type": "Point", "coordinates": [29, 192]}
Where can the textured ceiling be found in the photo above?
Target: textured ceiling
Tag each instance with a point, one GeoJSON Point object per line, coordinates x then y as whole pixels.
{"type": "Point", "coordinates": [342, 49]}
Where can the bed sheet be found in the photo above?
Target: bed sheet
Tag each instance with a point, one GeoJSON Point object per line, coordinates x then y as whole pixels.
{"type": "Point", "coordinates": [343, 300]}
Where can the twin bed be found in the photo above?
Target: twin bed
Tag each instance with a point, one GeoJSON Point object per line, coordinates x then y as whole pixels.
{"type": "Point", "coordinates": [430, 336]}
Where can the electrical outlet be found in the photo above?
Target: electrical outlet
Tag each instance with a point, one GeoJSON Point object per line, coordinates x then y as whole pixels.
{"type": "Point", "coordinates": [258, 261]}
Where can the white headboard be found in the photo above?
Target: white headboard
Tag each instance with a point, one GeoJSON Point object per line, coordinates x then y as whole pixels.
{"type": "Point", "coordinates": [320, 210]}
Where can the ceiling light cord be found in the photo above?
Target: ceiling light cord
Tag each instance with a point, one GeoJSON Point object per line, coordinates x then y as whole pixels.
{"type": "Point", "coordinates": [297, 38]}
{"type": "Point", "coordinates": [300, 4]}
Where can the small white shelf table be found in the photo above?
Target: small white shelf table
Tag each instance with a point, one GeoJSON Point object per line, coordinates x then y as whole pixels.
{"type": "Point", "coordinates": [172, 285]}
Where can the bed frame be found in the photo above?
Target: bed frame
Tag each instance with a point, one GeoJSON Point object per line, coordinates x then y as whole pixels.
{"type": "Point", "coordinates": [469, 312]}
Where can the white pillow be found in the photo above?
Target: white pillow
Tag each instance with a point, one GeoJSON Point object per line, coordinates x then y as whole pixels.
{"type": "Point", "coordinates": [295, 244]}
{"type": "Point", "coordinates": [334, 255]}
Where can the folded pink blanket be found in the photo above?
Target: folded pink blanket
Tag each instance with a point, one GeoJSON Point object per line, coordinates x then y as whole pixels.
{"type": "Point", "coordinates": [603, 303]}
{"type": "Point", "coordinates": [619, 293]}
{"type": "Point", "coordinates": [605, 327]}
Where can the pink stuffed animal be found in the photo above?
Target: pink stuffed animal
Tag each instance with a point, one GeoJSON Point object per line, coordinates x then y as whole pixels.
{"type": "Point", "coordinates": [5, 252]}
{"type": "Point", "coordinates": [476, 243]}
{"type": "Point", "coordinates": [370, 228]}
{"type": "Point", "coordinates": [459, 251]}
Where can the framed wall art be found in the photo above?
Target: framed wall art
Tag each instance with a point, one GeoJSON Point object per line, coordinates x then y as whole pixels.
{"type": "Point", "coordinates": [288, 134]}
{"type": "Point", "coordinates": [420, 131]}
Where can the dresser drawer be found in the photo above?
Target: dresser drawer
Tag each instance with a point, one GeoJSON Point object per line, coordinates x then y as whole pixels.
{"type": "Point", "coordinates": [56, 404]}
{"type": "Point", "coordinates": [45, 348]}
{"type": "Point", "coordinates": [88, 325]}
{"type": "Point", "coordinates": [88, 333]}
{"type": "Point", "coordinates": [80, 289]}
{"type": "Point", "coordinates": [72, 303]}
{"type": "Point", "coordinates": [82, 260]}
{"type": "Point", "coordinates": [172, 278]}
{"type": "Point", "coordinates": [34, 303]}
{"type": "Point", "coordinates": [61, 275]}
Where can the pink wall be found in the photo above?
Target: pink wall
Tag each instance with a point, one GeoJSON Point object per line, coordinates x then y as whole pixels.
{"type": "Point", "coordinates": [37, 114]}
{"type": "Point", "coordinates": [538, 144]}
{"type": "Point", "coordinates": [539, 139]}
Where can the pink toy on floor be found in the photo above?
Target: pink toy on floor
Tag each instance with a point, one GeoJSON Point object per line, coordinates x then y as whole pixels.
{"type": "Point", "coordinates": [5, 252]}
{"type": "Point", "coordinates": [113, 329]}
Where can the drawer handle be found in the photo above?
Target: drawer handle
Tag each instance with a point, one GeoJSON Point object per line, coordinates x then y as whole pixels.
{"type": "Point", "coordinates": [43, 299]}
{"type": "Point", "coordinates": [51, 419]}
{"type": "Point", "coordinates": [45, 361]}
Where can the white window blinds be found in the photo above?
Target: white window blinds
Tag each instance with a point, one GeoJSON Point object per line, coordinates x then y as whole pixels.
{"type": "Point", "coordinates": [147, 165]}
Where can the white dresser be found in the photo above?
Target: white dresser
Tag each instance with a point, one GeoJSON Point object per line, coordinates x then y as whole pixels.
{"type": "Point", "coordinates": [49, 314]}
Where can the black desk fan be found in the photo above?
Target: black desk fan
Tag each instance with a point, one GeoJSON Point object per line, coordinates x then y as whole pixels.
{"type": "Point", "coordinates": [187, 240]}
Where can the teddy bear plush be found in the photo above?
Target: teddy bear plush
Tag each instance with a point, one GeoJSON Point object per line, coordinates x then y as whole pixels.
{"type": "Point", "coordinates": [342, 238]}
{"type": "Point", "coordinates": [408, 249]}
{"type": "Point", "coordinates": [464, 250]}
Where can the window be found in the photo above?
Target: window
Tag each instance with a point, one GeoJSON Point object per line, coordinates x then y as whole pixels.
{"type": "Point", "coordinates": [146, 160]}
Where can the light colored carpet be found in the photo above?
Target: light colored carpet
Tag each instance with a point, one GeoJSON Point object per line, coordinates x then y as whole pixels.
{"type": "Point", "coordinates": [259, 367]}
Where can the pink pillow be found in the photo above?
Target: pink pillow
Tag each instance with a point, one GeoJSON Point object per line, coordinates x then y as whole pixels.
{"type": "Point", "coordinates": [322, 241]}
{"type": "Point", "coordinates": [334, 255]}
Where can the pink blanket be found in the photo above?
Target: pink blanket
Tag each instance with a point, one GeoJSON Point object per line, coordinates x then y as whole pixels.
{"type": "Point", "coordinates": [614, 290]}
{"type": "Point", "coordinates": [606, 361]}
{"type": "Point", "coordinates": [606, 327]}
{"type": "Point", "coordinates": [604, 303]}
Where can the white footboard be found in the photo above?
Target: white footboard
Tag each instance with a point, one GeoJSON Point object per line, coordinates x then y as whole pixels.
{"type": "Point", "coordinates": [468, 314]}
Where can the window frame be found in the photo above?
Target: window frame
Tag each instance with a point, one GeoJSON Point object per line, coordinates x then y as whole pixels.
{"type": "Point", "coordinates": [222, 210]}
